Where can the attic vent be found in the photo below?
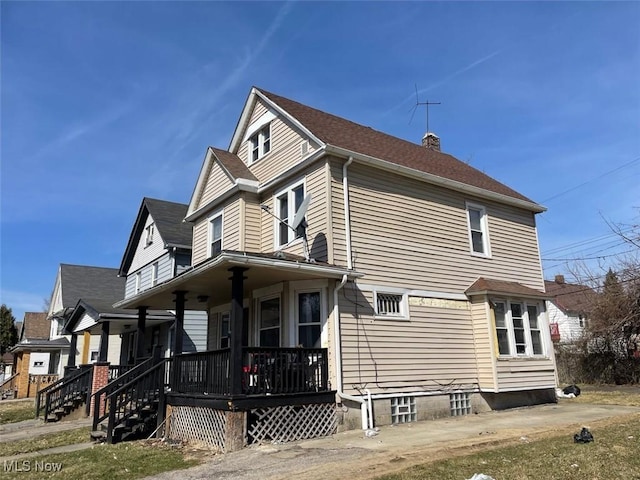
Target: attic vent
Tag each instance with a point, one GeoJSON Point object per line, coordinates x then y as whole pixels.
{"type": "Point", "coordinates": [304, 148]}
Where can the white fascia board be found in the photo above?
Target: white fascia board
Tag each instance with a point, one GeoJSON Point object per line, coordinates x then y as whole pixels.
{"type": "Point", "coordinates": [202, 178]}
{"type": "Point", "coordinates": [253, 96]}
{"type": "Point", "coordinates": [241, 185]}
{"type": "Point", "coordinates": [437, 180]}
{"type": "Point", "coordinates": [234, 259]}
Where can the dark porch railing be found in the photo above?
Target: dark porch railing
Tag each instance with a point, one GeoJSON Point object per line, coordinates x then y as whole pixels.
{"type": "Point", "coordinates": [116, 371]}
{"type": "Point", "coordinates": [68, 391]}
{"type": "Point", "coordinates": [100, 397]}
{"type": "Point", "coordinates": [265, 371]}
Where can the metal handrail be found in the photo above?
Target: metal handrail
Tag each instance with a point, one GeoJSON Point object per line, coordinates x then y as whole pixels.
{"type": "Point", "coordinates": [71, 388]}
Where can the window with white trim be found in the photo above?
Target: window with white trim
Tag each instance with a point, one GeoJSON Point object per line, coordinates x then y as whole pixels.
{"type": "Point", "coordinates": [224, 330]}
{"type": "Point", "coordinates": [287, 203]}
{"type": "Point", "coordinates": [478, 230]}
{"type": "Point", "coordinates": [149, 230]}
{"type": "Point", "coordinates": [390, 305]}
{"type": "Point", "coordinates": [214, 244]}
{"type": "Point", "coordinates": [138, 281]}
{"type": "Point", "coordinates": [154, 274]}
{"type": "Point", "coordinates": [518, 329]}
{"type": "Point", "coordinates": [309, 319]}
{"type": "Point", "coordinates": [260, 143]}
{"type": "Point", "coordinates": [269, 321]}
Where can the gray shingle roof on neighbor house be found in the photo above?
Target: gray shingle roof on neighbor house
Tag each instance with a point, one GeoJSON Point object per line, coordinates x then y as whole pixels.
{"type": "Point", "coordinates": [168, 218]}
{"type": "Point", "coordinates": [81, 281]}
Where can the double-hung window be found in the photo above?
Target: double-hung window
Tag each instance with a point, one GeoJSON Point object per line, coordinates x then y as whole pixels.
{"type": "Point", "coordinates": [478, 230]}
{"type": "Point", "coordinates": [287, 204]}
{"type": "Point", "coordinates": [309, 319]}
{"type": "Point", "coordinates": [148, 234]}
{"type": "Point", "coordinates": [269, 311]}
{"type": "Point", "coordinates": [518, 329]}
{"type": "Point", "coordinates": [260, 143]}
{"type": "Point", "coordinates": [154, 274]}
{"type": "Point", "coordinates": [224, 330]}
{"type": "Point", "coordinates": [215, 235]}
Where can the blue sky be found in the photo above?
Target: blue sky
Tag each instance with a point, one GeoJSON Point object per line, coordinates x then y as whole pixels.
{"type": "Point", "coordinates": [104, 103]}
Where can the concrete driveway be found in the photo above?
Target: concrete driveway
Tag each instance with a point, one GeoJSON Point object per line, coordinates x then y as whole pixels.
{"type": "Point", "coordinates": [351, 455]}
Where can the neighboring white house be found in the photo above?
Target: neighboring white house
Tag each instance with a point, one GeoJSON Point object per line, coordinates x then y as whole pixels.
{"type": "Point", "coordinates": [569, 309]}
{"type": "Point", "coordinates": [159, 248]}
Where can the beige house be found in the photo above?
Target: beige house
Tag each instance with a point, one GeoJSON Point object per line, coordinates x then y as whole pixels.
{"type": "Point", "coordinates": [413, 285]}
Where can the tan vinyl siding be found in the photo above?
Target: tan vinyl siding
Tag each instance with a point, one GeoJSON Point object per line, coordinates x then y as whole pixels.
{"type": "Point", "coordinates": [252, 225]}
{"type": "Point", "coordinates": [396, 220]}
{"type": "Point", "coordinates": [484, 336]}
{"type": "Point", "coordinates": [199, 252]}
{"type": "Point", "coordinates": [217, 182]}
{"type": "Point", "coordinates": [258, 110]}
{"type": "Point", "coordinates": [284, 154]}
{"type": "Point", "coordinates": [337, 205]}
{"type": "Point", "coordinates": [525, 374]}
{"type": "Point", "coordinates": [231, 226]}
{"type": "Point", "coordinates": [316, 216]}
{"type": "Point", "coordinates": [433, 350]}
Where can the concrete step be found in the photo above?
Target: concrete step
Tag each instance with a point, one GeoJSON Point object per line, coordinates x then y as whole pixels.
{"type": "Point", "coordinates": [98, 435]}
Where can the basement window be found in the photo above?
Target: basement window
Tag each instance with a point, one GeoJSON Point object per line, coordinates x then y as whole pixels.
{"type": "Point", "coordinates": [390, 305]}
{"type": "Point", "coordinates": [403, 410]}
{"type": "Point", "coordinates": [460, 404]}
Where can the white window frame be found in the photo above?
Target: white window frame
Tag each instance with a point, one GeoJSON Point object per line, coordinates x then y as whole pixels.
{"type": "Point", "coordinates": [154, 273]}
{"type": "Point", "coordinates": [149, 232]}
{"type": "Point", "coordinates": [484, 229]}
{"type": "Point", "coordinates": [260, 143]}
{"type": "Point", "coordinates": [308, 286]}
{"type": "Point", "coordinates": [259, 318]}
{"type": "Point", "coordinates": [138, 282]}
{"type": "Point", "coordinates": [404, 304]}
{"type": "Point", "coordinates": [528, 353]}
{"type": "Point", "coordinates": [210, 239]}
{"type": "Point", "coordinates": [291, 211]}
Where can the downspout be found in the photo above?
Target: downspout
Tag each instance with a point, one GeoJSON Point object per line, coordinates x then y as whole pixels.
{"type": "Point", "coordinates": [347, 216]}
{"type": "Point", "coordinates": [338, 350]}
{"type": "Point", "coordinates": [365, 409]}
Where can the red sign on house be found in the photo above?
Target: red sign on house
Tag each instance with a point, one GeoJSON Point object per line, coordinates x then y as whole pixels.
{"type": "Point", "coordinates": [555, 332]}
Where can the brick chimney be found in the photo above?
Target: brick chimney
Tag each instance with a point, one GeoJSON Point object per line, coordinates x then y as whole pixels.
{"type": "Point", "coordinates": [432, 141]}
{"type": "Point", "coordinates": [560, 279]}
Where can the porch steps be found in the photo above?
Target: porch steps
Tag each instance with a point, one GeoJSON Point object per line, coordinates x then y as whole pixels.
{"type": "Point", "coordinates": [66, 409]}
{"type": "Point", "coordinates": [137, 426]}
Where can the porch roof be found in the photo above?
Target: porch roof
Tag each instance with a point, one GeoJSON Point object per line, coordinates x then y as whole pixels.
{"type": "Point", "coordinates": [208, 283]}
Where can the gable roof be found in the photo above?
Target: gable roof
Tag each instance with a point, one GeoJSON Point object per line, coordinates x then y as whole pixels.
{"type": "Point", "coordinates": [168, 218]}
{"type": "Point", "coordinates": [35, 326]}
{"type": "Point", "coordinates": [570, 297]}
{"type": "Point", "coordinates": [484, 286]}
{"type": "Point", "coordinates": [81, 281]}
{"type": "Point", "coordinates": [345, 134]}
{"type": "Point", "coordinates": [231, 164]}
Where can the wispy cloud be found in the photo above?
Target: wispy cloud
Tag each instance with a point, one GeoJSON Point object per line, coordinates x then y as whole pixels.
{"type": "Point", "coordinates": [446, 79]}
{"type": "Point", "coordinates": [80, 130]}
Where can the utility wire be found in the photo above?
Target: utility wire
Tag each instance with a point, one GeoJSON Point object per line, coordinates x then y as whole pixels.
{"type": "Point", "coordinates": [635, 160]}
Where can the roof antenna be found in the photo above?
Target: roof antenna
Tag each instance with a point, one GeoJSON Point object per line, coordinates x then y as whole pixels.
{"type": "Point", "coordinates": [419, 104]}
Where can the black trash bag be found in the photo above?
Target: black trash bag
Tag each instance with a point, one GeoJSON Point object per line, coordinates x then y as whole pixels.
{"type": "Point", "coordinates": [571, 389]}
{"type": "Point", "coordinates": [583, 437]}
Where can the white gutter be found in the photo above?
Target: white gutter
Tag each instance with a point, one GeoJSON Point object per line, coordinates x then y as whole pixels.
{"type": "Point", "coordinates": [338, 350]}
{"type": "Point", "coordinates": [436, 180]}
{"type": "Point", "coordinates": [347, 216]}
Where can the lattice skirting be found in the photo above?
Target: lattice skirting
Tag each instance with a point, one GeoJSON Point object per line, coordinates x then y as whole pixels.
{"type": "Point", "coordinates": [199, 424]}
{"type": "Point", "coordinates": [289, 423]}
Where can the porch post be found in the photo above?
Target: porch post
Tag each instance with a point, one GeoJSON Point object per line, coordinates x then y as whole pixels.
{"type": "Point", "coordinates": [179, 325]}
{"type": "Point", "coordinates": [235, 327]}
{"type": "Point", "coordinates": [142, 321]}
{"type": "Point", "coordinates": [104, 342]}
{"type": "Point", "coordinates": [71, 359]}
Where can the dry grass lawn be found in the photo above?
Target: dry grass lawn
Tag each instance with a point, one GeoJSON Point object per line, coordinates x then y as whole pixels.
{"type": "Point", "coordinates": [42, 442]}
{"type": "Point", "coordinates": [11, 412]}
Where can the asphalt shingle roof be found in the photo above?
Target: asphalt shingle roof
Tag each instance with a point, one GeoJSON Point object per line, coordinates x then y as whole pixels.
{"type": "Point", "coordinates": [36, 326]}
{"type": "Point", "coordinates": [234, 165]}
{"type": "Point", "coordinates": [168, 218]}
{"type": "Point", "coordinates": [487, 285]}
{"type": "Point", "coordinates": [571, 297]}
{"type": "Point", "coordinates": [339, 132]}
{"type": "Point", "coordinates": [80, 281]}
